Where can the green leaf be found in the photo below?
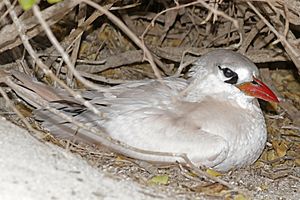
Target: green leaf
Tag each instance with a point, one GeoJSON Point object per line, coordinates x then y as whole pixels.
{"type": "Point", "coordinates": [161, 179]}
{"type": "Point", "coordinates": [27, 4]}
{"type": "Point", "coordinates": [53, 1]}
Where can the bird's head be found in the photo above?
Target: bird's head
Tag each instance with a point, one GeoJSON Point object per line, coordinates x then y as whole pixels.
{"type": "Point", "coordinates": [235, 69]}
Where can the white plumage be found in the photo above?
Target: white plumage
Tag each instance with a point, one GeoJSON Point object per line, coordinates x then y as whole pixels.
{"type": "Point", "coordinates": [212, 116]}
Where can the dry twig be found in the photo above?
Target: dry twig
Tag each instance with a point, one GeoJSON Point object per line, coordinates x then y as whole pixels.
{"type": "Point", "coordinates": [292, 51]}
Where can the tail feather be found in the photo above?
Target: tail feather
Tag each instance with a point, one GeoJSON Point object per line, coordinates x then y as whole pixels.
{"type": "Point", "coordinates": [64, 129]}
{"type": "Point", "coordinates": [37, 95]}
{"type": "Point", "coordinates": [44, 91]}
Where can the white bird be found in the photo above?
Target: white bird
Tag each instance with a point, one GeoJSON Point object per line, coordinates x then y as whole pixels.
{"type": "Point", "coordinates": [212, 116]}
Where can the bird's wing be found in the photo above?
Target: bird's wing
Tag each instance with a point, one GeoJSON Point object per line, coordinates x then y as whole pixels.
{"type": "Point", "coordinates": [201, 147]}
{"type": "Point", "coordinates": [143, 90]}
{"type": "Point", "coordinates": [129, 96]}
{"type": "Point", "coordinates": [148, 128]}
{"type": "Point", "coordinates": [138, 91]}
{"type": "Point", "coordinates": [147, 105]}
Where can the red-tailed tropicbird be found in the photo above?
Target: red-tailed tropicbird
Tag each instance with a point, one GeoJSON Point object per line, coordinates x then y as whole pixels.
{"type": "Point", "coordinates": [213, 116]}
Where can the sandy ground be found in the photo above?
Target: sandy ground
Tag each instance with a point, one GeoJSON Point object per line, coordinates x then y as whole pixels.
{"type": "Point", "coordinates": [33, 170]}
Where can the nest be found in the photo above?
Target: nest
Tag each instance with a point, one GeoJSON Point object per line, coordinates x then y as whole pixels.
{"type": "Point", "coordinates": [85, 44]}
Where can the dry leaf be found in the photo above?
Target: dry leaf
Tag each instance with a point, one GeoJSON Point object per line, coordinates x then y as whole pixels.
{"type": "Point", "coordinates": [25, 111]}
{"type": "Point", "coordinates": [297, 161]}
{"type": "Point", "coordinates": [240, 197]}
{"type": "Point", "coordinates": [210, 189]}
{"type": "Point", "coordinates": [213, 173]}
{"type": "Point", "coordinates": [280, 147]}
{"type": "Point", "coordinates": [120, 158]}
{"type": "Point", "coordinates": [236, 197]}
{"type": "Point", "coordinates": [159, 180]}
{"type": "Point", "coordinates": [271, 155]}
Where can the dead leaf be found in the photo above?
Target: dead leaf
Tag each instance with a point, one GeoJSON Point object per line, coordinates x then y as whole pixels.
{"type": "Point", "coordinates": [25, 111]}
{"type": "Point", "coordinates": [213, 173]}
{"type": "Point", "coordinates": [280, 147]}
{"type": "Point", "coordinates": [271, 155]}
{"type": "Point", "coordinates": [240, 197]}
{"type": "Point", "coordinates": [159, 180]}
{"type": "Point", "coordinates": [237, 196]}
{"type": "Point", "coordinates": [210, 189]}
{"type": "Point", "coordinates": [297, 161]}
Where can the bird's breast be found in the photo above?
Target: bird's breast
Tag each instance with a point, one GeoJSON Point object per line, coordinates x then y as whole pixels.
{"type": "Point", "coordinates": [243, 129]}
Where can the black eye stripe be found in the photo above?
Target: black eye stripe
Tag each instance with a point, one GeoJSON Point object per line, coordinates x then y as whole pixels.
{"type": "Point", "coordinates": [233, 80]}
{"type": "Point", "coordinates": [228, 73]}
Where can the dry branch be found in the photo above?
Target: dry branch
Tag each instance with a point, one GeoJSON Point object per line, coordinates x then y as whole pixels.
{"type": "Point", "coordinates": [9, 34]}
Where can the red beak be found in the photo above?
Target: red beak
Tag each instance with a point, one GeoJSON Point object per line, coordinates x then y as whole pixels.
{"type": "Point", "coordinates": [258, 89]}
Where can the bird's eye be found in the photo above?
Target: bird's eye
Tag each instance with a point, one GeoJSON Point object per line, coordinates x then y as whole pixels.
{"type": "Point", "coordinates": [227, 72]}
